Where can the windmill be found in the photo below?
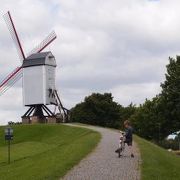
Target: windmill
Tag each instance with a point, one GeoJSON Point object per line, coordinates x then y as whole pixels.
{"type": "Point", "coordinates": [38, 73]}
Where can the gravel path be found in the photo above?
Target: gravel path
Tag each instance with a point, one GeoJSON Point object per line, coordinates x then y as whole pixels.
{"type": "Point", "coordinates": [103, 163]}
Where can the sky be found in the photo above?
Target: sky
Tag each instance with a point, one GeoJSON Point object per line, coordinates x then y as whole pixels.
{"type": "Point", "coordinates": [115, 46]}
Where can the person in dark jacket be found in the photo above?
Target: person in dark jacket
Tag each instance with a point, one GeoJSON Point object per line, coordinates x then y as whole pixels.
{"type": "Point", "coordinates": [129, 135]}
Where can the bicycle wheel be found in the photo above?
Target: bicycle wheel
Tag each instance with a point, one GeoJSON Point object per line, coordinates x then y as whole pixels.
{"type": "Point", "coordinates": [119, 153]}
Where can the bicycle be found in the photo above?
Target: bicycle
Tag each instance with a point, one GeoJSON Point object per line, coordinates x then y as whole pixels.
{"type": "Point", "coordinates": [121, 145]}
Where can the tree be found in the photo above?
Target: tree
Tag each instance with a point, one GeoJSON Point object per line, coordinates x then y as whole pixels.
{"type": "Point", "coordinates": [159, 117]}
{"type": "Point", "coordinates": [98, 109]}
{"type": "Point", "coordinates": [145, 120]}
{"type": "Point", "coordinates": [128, 111]}
{"type": "Point", "coordinates": [171, 96]}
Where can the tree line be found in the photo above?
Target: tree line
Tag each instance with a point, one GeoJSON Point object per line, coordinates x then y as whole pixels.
{"type": "Point", "coordinates": [154, 120]}
{"type": "Point", "coordinates": [100, 109]}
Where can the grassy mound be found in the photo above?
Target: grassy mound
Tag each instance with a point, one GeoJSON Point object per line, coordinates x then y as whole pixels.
{"type": "Point", "coordinates": [158, 163]}
{"type": "Point", "coordinates": [44, 151]}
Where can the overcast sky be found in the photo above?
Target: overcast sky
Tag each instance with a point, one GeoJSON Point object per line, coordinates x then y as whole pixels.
{"type": "Point", "coordinates": [118, 46]}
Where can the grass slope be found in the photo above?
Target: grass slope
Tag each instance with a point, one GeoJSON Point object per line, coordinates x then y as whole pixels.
{"type": "Point", "coordinates": [45, 151]}
{"type": "Point", "coordinates": [157, 163]}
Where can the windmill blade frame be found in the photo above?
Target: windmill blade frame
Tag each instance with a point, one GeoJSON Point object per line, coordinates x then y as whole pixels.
{"type": "Point", "coordinates": [43, 44]}
{"type": "Point", "coordinates": [9, 76]}
{"type": "Point", "coordinates": [11, 83]}
{"type": "Point", "coordinates": [14, 35]}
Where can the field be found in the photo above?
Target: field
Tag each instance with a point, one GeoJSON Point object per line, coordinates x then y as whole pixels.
{"type": "Point", "coordinates": [44, 151]}
{"type": "Point", "coordinates": [158, 163]}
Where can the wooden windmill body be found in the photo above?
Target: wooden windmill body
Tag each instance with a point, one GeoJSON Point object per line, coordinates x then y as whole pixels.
{"type": "Point", "coordinates": [39, 79]}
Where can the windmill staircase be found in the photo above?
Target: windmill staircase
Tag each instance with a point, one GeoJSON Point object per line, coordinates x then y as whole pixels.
{"type": "Point", "coordinates": [64, 114]}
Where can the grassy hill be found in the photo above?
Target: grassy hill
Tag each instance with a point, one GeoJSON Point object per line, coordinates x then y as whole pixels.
{"type": "Point", "coordinates": [44, 151]}
{"type": "Point", "coordinates": [158, 163]}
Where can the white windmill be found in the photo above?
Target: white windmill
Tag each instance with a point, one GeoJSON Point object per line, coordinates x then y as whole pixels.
{"type": "Point", "coordinates": [38, 73]}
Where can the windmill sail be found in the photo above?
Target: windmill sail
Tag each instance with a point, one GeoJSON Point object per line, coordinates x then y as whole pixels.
{"type": "Point", "coordinates": [12, 77]}
{"type": "Point", "coordinates": [11, 82]}
{"type": "Point", "coordinates": [17, 73]}
{"type": "Point", "coordinates": [48, 40]}
{"type": "Point", "coordinates": [14, 35]}
{"type": "Point", "coordinates": [9, 77]}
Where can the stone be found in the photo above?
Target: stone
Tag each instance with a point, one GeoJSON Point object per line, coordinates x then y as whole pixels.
{"type": "Point", "coordinates": [25, 120]}
{"type": "Point", "coordinates": [51, 120]}
{"type": "Point", "coordinates": [37, 119]}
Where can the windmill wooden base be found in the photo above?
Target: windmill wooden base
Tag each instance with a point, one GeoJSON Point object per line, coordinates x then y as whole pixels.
{"type": "Point", "coordinates": [40, 113]}
{"type": "Point", "coordinates": [35, 114]}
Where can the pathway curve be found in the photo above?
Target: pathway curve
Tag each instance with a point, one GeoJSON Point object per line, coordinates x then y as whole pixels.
{"type": "Point", "coordinates": [104, 164]}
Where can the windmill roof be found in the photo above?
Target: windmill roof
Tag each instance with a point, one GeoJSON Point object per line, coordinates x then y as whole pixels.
{"type": "Point", "coordinates": [37, 59]}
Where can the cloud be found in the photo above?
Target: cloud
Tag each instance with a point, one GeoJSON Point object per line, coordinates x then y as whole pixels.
{"type": "Point", "coordinates": [135, 93]}
{"type": "Point", "coordinates": [116, 46]}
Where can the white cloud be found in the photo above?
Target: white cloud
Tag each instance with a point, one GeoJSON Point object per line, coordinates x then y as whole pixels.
{"type": "Point", "coordinates": [136, 93]}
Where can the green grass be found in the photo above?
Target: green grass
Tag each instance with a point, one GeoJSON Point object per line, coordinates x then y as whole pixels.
{"type": "Point", "coordinates": [157, 163]}
{"type": "Point", "coordinates": [44, 151]}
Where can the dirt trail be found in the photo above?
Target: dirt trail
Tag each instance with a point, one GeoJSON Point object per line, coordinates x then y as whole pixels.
{"type": "Point", "coordinates": [104, 164]}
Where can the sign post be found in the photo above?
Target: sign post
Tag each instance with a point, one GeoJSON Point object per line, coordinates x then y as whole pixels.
{"type": "Point", "coordinates": [8, 137]}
